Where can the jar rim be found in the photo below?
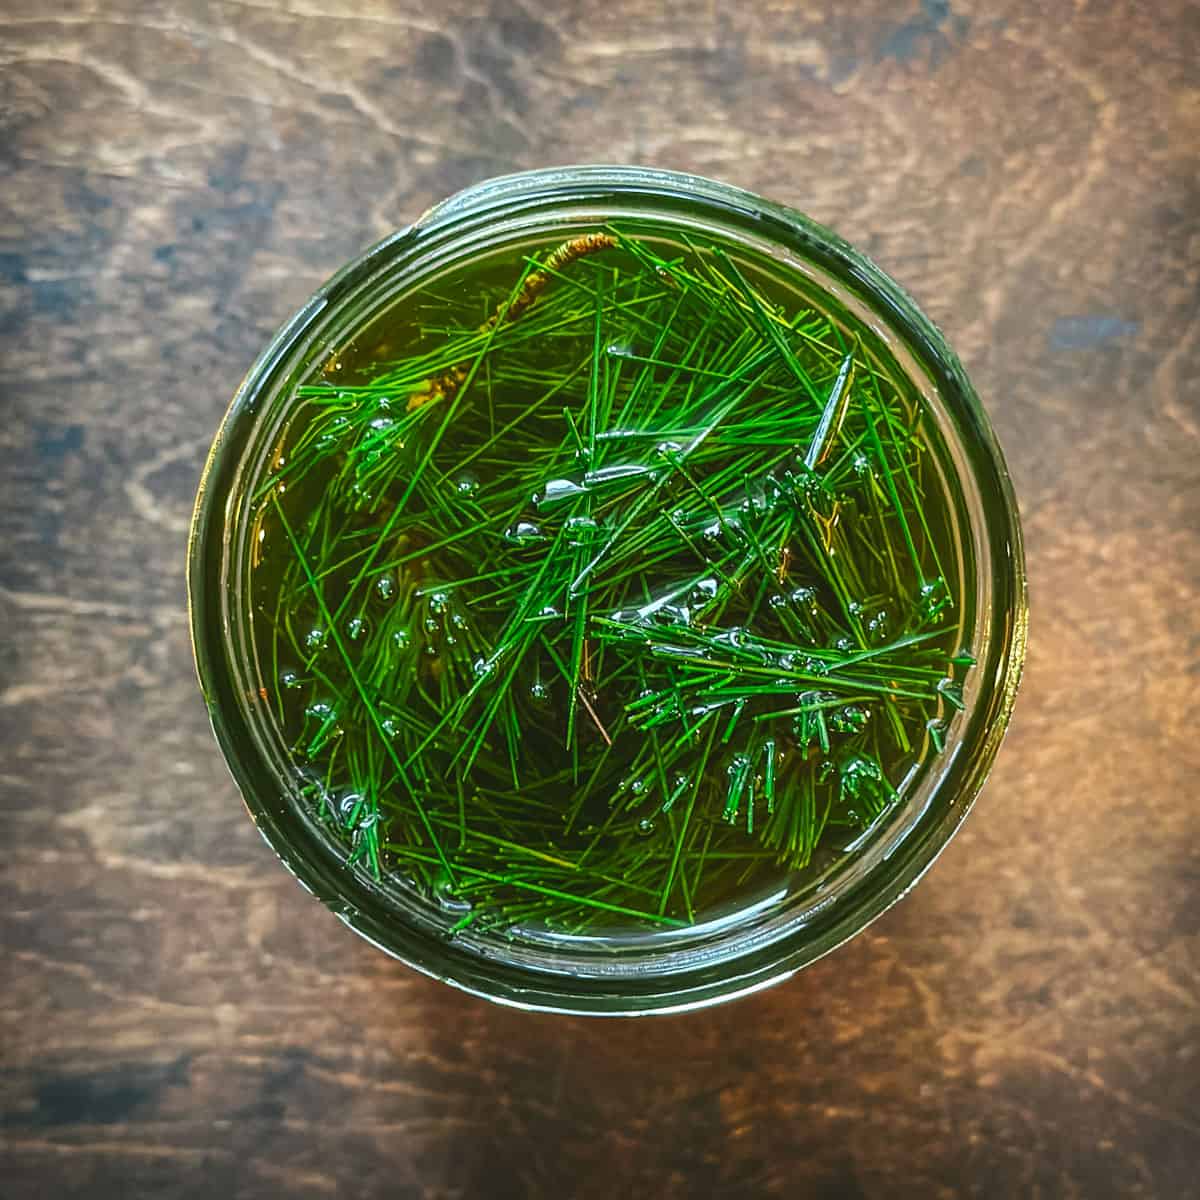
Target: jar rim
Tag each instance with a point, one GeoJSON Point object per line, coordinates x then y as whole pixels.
{"type": "Point", "coordinates": [464, 215]}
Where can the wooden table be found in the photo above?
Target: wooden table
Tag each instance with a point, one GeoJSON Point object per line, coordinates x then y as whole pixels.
{"type": "Point", "coordinates": [177, 1019]}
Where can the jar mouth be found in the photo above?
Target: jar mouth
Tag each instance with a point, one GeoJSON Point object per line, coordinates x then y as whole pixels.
{"type": "Point", "coordinates": [705, 963]}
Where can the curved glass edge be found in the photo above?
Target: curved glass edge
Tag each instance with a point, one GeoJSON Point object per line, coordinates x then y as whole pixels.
{"type": "Point", "coordinates": [796, 232]}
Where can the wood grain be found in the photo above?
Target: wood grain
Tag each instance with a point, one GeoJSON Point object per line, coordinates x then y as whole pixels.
{"type": "Point", "coordinates": [177, 1019]}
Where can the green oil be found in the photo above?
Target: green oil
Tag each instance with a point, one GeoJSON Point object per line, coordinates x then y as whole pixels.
{"type": "Point", "coordinates": [606, 588]}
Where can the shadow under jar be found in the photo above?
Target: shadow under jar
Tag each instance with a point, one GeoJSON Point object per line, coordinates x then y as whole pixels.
{"type": "Point", "coordinates": [608, 592]}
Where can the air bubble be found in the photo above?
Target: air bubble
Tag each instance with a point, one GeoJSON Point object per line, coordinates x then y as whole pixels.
{"type": "Point", "coordinates": [523, 533]}
{"type": "Point", "coordinates": [613, 474]}
{"type": "Point", "coordinates": [858, 774]}
{"type": "Point", "coordinates": [806, 599]}
{"type": "Point", "coordinates": [556, 491]}
{"type": "Point", "coordinates": [444, 897]}
{"type": "Point", "coordinates": [755, 500]}
{"type": "Point", "coordinates": [877, 627]}
{"type": "Point", "coordinates": [314, 640]}
{"type": "Point", "coordinates": [935, 596]}
{"type": "Point", "coordinates": [385, 587]}
{"type": "Point", "coordinates": [355, 628]}
{"type": "Point", "coordinates": [851, 719]}
{"type": "Point", "coordinates": [735, 638]}
{"type": "Point", "coordinates": [579, 531]}
{"type": "Point", "coordinates": [466, 484]}
{"type": "Point", "coordinates": [645, 827]}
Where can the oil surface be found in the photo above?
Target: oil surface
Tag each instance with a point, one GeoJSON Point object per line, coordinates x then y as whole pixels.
{"type": "Point", "coordinates": [606, 581]}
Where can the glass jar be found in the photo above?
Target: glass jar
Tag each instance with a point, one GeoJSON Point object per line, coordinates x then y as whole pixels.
{"type": "Point", "coordinates": [717, 959]}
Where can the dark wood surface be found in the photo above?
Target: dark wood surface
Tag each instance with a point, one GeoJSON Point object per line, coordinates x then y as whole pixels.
{"type": "Point", "coordinates": [177, 1019]}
